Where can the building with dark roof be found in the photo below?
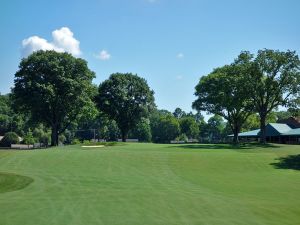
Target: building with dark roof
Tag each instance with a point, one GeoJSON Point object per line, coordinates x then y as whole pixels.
{"type": "Point", "coordinates": [283, 133]}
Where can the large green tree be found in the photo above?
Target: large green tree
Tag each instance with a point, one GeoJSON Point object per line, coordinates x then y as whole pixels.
{"type": "Point", "coordinates": [274, 81]}
{"type": "Point", "coordinates": [125, 98]}
{"type": "Point", "coordinates": [56, 88]}
{"type": "Point", "coordinates": [224, 92]}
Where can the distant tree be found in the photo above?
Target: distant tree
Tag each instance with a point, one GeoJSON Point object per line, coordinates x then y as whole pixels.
{"type": "Point", "coordinates": [28, 138]}
{"type": "Point", "coordinates": [274, 81]}
{"type": "Point", "coordinates": [55, 88]}
{"type": "Point", "coordinates": [165, 129]}
{"type": "Point", "coordinates": [189, 127]}
{"type": "Point", "coordinates": [215, 128]}
{"type": "Point", "coordinates": [179, 113]}
{"type": "Point", "coordinates": [125, 98]}
{"type": "Point", "coordinates": [253, 121]}
{"type": "Point", "coordinates": [142, 131]}
{"type": "Point", "coordinates": [224, 92]}
{"type": "Point", "coordinates": [9, 119]}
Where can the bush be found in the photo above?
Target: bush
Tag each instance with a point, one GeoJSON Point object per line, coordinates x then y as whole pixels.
{"type": "Point", "coordinates": [75, 141]}
{"type": "Point", "coordinates": [86, 142]}
{"type": "Point", "coordinates": [28, 138]}
{"type": "Point", "coordinates": [182, 137]}
{"type": "Point", "coordinates": [9, 138]}
{"type": "Point", "coordinates": [45, 139]}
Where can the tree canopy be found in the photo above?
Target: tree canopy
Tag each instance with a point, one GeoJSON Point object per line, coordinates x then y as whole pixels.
{"type": "Point", "coordinates": [125, 98]}
{"type": "Point", "coordinates": [224, 92]}
{"type": "Point", "coordinates": [55, 88]}
{"type": "Point", "coordinates": [273, 81]}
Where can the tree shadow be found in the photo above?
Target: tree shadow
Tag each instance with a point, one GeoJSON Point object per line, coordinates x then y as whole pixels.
{"type": "Point", "coordinates": [288, 162]}
{"type": "Point", "coordinates": [225, 146]}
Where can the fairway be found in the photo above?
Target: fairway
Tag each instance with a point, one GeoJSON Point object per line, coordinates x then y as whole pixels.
{"type": "Point", "coordinates": [150, 184]}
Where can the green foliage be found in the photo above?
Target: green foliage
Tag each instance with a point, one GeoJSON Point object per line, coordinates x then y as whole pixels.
{"type": "Point", "coordinates": [189, 127]}
{"type": "Point", "coordinates": [179, 113]}
{"type": "Point", "coordinates": [142, 131]}
{"type": "Point", "coordinates": [182, 137]}
{"type": "Point", "coordinates": [55, 88]}
{"type": "Point", "coordinates": [85, 142]}
{"type": "Point", "coordinates": [224, 92]}
{"type": "Point", "coordinates": [28, 138]}
{"type": "Point", "coordinates": [75, 141]}
{"type": "Point", "coordinates": [9, 138]}
{"type": "Point", "coordinates": [274, 80]}
{"type": "Point", "coordinates": [215, 128]}
{"type": "Point", "coordinates": [9, 119]}
{"type": "Point", "coordinates": [165, 129]}
{"type": "Point", "coordinates": [61, 139]}
{"type": "Point", "coordinates": [125, 98]}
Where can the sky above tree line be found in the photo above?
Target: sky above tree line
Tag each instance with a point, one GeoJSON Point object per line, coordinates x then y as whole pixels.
{"type": "Point", "coordinates": [171, 43]}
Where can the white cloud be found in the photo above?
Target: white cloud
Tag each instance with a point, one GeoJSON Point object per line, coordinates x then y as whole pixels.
{"type": "Point", "coordinates": [180, 55]}
{"type": "Point", "coordinates": [103, 55]}
{"type": "Point", "coordinates": [63, 41]}
{"type": "Point", "coordinates": [179, 77]}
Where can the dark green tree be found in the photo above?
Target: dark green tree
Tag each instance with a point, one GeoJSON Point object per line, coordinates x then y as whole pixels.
{"type": "Point", "coordinates": [165, 128]}
{"type": "Point", "coordinates": [215, 128]}
{"type": "Point", "coordinates": [142, 131]}
{"type": "Point", "coordinates": [125, 98]}
{"type": "Point", "coordinates": [179, 113]}
{"type": "Point", "coordinates": [55, 88]}
{"type": "Point", "coordinates": [274, 81]}
{"type": "Point", "coordinates": [189, 127]}
{"type": "Point", "coordinates": [224, 92]}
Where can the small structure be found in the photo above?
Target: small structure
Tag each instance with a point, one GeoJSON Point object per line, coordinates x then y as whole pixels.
{"type": "Point", "coordinates": [284, 133]}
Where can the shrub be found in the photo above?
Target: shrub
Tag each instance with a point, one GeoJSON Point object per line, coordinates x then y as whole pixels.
{"type": "Point", "coordinates": [9, 138]}
{"type": "Point", "coordinates": [28, 138]}
{"type": "Point", "coordinates": [86, 142]}
{"type": "Point", "coordinates": [182, 137]}
{"type": "Point", "coordinates": [75, 141]}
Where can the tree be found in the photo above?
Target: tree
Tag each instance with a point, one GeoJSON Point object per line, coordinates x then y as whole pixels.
{"type": "Point", "coordinates": [54, 88]}
{"type": "Point", "coordinates": [189, 127]}
{"type": "Point", "coordinates": [165, 128]}
{"type": "Point", "coordinates": [179, 113]}
{"type": "Point", "coordinates": [28, 138]}
{"type": "Point", "coordinates": [125, 98]}
{"type": "Point", "coordinates": [224, 92]}
{"type": "Point", "coordinates": [142, 131]}
{"type": "Point", "coordinates": [274, 81]}
{"type": "Point", "coordinates": [215, 128]}
{"type": "Point", "coordinates": [253, 121]}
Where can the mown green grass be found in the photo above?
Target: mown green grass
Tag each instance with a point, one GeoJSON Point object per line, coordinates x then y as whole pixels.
{"type": "Point", "coordinates": [153, 184]}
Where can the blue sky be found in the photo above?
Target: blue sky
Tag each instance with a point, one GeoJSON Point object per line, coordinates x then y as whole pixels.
{"type": "Point", "coordinates": [171, 43]}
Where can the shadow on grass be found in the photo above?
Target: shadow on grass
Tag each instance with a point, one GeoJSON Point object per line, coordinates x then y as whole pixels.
{"type": "Point", "coordinates": [225, 146]}
{"type": "Point", "coordinates": [13, 182]}
{"type": "Point", "coordinates": [288, 162]}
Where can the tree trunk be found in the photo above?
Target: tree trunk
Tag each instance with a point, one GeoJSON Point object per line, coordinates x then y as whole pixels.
{"type": "Point", "coordinates": [124, 135]}
{"type": "Point", "coordinates": [236, 135]}
{"type": "Point", "coordinates": [54, 136]}
{"type": "Point", "coordinates": [262, 129]}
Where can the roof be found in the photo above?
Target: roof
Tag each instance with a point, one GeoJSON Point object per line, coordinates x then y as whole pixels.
{"type": "Point", "coordinates": [249, 133]}
{"type": "Point", "coordinates": [252, 133]}
{"type": "Point", "coordinates": [292, 132]}
{"type": "Point", "coordinates": [272, 129]}
{"type": "Point", "coordinates": [275, 129]}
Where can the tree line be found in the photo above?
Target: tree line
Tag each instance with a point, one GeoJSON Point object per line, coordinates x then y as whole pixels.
{"type": "Point", "coordinates": [54, 98]}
